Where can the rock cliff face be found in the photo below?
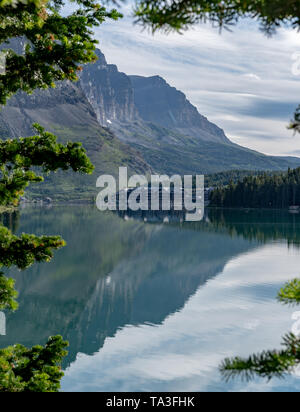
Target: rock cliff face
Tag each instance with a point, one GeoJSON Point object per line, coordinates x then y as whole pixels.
{"type": "Point", "coordinates": [66, 112]}
{"type": "Point", "coordinates": [109, 92]}
{"type": "Point", "coordinates": [116, 98]}
{"type": "Point", "coordinates": [160, 122]}
{"type": "Point", "coordinates": [157, 102]}
{"type": "Point", "coordinates": [138, 122]}
{"type": "Point", "coordinates": [66, 105]}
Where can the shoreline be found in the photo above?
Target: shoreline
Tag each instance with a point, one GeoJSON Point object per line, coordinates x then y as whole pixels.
{"type": "Point", "coordinates": [92, 203]}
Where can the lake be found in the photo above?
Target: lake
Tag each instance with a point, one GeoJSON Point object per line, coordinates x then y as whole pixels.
{"type": "Point", "coordinates": [153, 305]}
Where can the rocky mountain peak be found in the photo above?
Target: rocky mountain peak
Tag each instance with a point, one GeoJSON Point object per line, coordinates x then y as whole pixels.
{"type": "Point", "coordinates": [101, 62]}
{"type": "Point", "coordinates": [159, 103]}
{"type": "Point", "coordinates": [117, 98]}
{"type": "Point", "coordinates": [109, 92]}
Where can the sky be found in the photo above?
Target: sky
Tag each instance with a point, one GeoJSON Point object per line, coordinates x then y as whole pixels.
{"type": "Point", "coordinates": [246, 83]}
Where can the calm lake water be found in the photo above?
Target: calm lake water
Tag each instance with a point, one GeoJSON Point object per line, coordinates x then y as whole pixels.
{"type": "Point", "coordinates": [153, 306]}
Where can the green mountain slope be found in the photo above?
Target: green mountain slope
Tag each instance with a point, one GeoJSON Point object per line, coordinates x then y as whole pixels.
{"type": "Point", "coordinates": [66, 112]}
{"type": "Point", "coordinates": [169, 151]}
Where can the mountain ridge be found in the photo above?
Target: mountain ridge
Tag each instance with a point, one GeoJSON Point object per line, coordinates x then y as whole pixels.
{"type": "Point", "coordinates": [139, 122]}
{"type": "Point", "coordinates": [172, 109]}
{"type": "Point", "coordinates": [165, 126]}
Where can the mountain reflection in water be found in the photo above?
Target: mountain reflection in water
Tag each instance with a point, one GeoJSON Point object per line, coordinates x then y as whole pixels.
{"type": "Point", "coordinates": [129, 270]}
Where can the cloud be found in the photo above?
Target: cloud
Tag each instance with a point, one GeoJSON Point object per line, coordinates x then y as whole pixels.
{"type": "Point", "coordinates": [241, 80]}
{"type": "Point", "coordinates": [252, 76]}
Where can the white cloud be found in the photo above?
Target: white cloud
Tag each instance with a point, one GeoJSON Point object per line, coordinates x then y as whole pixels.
{"type": "Point", "coordinates": [228, 77]}
{"type": "Point", "coordinates": [252, 76]}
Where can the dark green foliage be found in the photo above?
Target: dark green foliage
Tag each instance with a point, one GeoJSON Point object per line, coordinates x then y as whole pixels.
{"type": "Point", "coordinates": [56, 45]}
{"type": "Point", "coordinates": [264, 191]}
{"type": "Point", "coordinates": [44, 151]}
{"type": "Point", "coordinates": [54, 48]}
{"type": "Point", "coordinates": [32, 370]}
{"type": "Point", "coordinates": [181, 14]}
{"type": "Point", "coordinates": [18, 156]}
{"type": "Point", "coordinates": [14, 3]}
{"type": "Point", "coordinates": [290, 294]}
{"type": "Point", "coordinates": [8, 293]}
{"type": "Point", "coordinates": [295, 123]}
{"type": "Point", "coordinates": [23, 251]}
{"type": "Point", "coordinates": [235, 176]}
{"type": "Point", "coordinates": [268, 364]}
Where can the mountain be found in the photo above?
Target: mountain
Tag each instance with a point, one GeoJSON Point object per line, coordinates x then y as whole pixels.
{"type": "Point", "coordinates": [160, 122]}
{"type": "Point", "coordinates": [139, 122]}
{"type": "Point", "coordinates": [109, 92]}
{"type": "Point", "coordinates": [66, 112]}
{"type": "Point", "coordinates": [161, 104]}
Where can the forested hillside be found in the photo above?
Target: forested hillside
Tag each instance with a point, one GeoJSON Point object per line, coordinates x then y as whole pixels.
{"type": "Point", "coordinates": [235, 176]}
{"type": "Point", "coordinates": [281, 190]}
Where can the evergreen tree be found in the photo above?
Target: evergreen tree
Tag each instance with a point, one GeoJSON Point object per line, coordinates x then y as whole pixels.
{"type": "Point", "coordinates": [182, 14]}
{"type": "Point", "coordinates": [55, 47]}
{"type": "Point", "coordinates": [273, 363]}
{"type": "Point", "coordinates": [280, 190]}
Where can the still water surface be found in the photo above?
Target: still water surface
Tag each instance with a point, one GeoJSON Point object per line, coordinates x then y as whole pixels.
{"type": "Point", "coordinates": [157, 306]}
